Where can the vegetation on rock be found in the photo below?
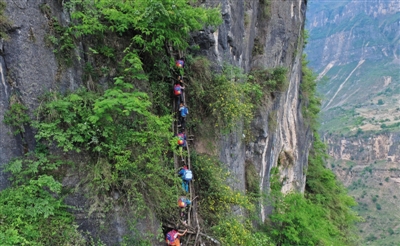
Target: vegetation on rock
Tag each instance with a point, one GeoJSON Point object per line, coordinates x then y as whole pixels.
{"type": "Point", "coordinates": [122, 129]}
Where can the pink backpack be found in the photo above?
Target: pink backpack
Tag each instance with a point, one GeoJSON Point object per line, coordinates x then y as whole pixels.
{"type": "Point", "coordinates": [171, 236]}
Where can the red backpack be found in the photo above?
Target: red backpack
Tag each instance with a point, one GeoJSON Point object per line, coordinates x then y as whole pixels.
{"type": "Point", "coordinates": [177, 90]}
{"type": "Point", "coordinates": [171, 236]}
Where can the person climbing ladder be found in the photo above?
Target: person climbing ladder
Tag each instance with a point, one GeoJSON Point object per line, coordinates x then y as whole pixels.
{"type": "Point", "coordinates": [181, 143]}
{"type": "Point", "coordinates": [178, 93]}
{"type": "Point", "coordinates": [186, 176]}
{"type": "Point", "coordinates": [180, 63]}
{"type": "Point", "coordinates": [173, 237]}
{"type": "Point", "coordinates": [183, 203]}
{"type": "Point", "coordinates": [183, 112]}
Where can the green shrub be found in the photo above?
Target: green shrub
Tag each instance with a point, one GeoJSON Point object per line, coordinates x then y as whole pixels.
{"type": "Point", "coordinates": [5, 23]}
{"type": "Point", "coordinates": [297, 221]}
{"type": "Point", "coordinates": [311, 102]}
{"type": "Point", "coordinates": [370, 237]}
{"type": "Point", "coordinates": [32, 210]}
{"type": "Point", "coordinates": [265, 8]}
{"type": "Point", "coordinates": [271, 80]}
{"type": "Point", "coordinates": [17, 117]}
{"type": "Point", "coordinates": [234, 97]}
{"type": "Point", "coordinates": [225, 99]}
{"type": "Point", "coordinates": [128, 143]}
{"type": "Point", "coordinates": [211, 185]}
{"type": "Point", "coordinates": [252, 180]}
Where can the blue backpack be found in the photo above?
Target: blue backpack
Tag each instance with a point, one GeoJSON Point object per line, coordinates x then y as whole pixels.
{"type": "Point", "coordinates": [184, 112]}
{"type": "Point", "coordinates": [188, 175]}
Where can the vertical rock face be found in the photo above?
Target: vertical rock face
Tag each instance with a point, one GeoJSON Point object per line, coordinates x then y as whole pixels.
{"type": "Point", "coordinates": [254, 34]}
{"type": "Point", "coordinates": [349, 31]}
{"type": "Point", "coordinates": [267, 35]}
{"type": "Point", "coordinates": [365, 149]}
{"type": "Point", "coordinates": [355, 44]}
{"type": "Point", "coordinates": [28, 68]}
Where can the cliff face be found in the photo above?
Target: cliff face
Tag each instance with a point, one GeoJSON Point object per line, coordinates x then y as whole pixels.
{"type": "Point", "coordinates": [349, 31]}
{"type": "Point", "coordinates": [253, 34]}
{"type": "Point", "coordinates": [355, 44]}
{"type": "Point", "coordinates": [365, 149]}
{"type": "Point", "coordinates": [28, 69]}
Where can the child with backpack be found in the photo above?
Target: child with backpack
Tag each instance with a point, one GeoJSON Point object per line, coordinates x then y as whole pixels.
{"type": "Point", "coordinates": [183, 203]}
{"type": "Point", "coordinates": [173, 236]}
{"type": "Point", "coordinates": [178, 93]}
{"type": "Point", "coordinates": [180, 63]}
{"type": "Point", "coordinates": [187, 176]}
{"type": "Point", "coordinates": [183, 112]}
{"type": "Point", "coordinates": [181, 139]}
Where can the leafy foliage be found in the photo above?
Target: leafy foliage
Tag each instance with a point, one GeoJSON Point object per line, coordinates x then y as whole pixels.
{"type": "Point", "coordinates": [216, 199]}
{"type": "Point", "coordinates": [17, 117]}
{"type": "Point", "coordinates": [298, 221]}
{"type": "Point", "coordinates": [252, 180]}
{"type": "Point", "coordinates": [232, 231]}
{"type": "Point", "coordinates": [311, 102]}
{"type": "Point", "coordinates": [323, 215]}
{"type": "Point", "coordinates": [228, 97]}
{"type": "Point", "coordinates": [152, 22]}
{"type": "Point", "coordinates": [271, 80]}
{"type": "Point", "coordinates": [216, 196]}
{"type": "Point", "coordinates": [32, 211]}
{"type": "Point", "coordinates": [5, 24]}
{"type": "Point", "coordinates": [233, 96]}
{"type": "Point", "coordinates": [128, 144]}
{"type": "Point", "coordinates": [322, 187]}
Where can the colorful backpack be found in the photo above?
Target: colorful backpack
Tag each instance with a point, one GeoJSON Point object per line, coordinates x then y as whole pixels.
{"type": "Point", "coordinates": [179, 63]}
{"type": "Point", "coordinates": [171, 236]}
{"type": "Point", "coordinates": [183, 202]}
{"type": "Point", "coordinates": [177, 90]}
{"type": "Point", "coordinates": [181, 139]}
{"type": "Point", "coordinates": [188, 175]}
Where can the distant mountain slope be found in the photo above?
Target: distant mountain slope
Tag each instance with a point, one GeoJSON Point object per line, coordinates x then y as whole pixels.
{"type": "Point", "coordinates": [356, 45]}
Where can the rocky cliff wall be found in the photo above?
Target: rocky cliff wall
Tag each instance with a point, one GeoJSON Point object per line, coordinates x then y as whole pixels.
{"type": "Point", "coordinates": [350, 31]}
{"type": "Point", "coordinates": [257, 35]}
{"type": "Point", "coordinates": [365, 149]}
{"type": "Point", "coordinates": [253, 34]}
{"type": "Point", "coordinates": [29, 68]}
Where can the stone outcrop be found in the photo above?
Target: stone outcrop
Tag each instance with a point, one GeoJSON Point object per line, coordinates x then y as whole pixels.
{"type": "Point", "coordinates": [341, 34]}
{"type": "Point", "coordinates": [256, 35]}
{"type": "Point", "coordinates": [365, 149]}
{"type": "Point", "coordinates": [29, 68]}
{"type": "Point", "coordinates": [355, 44]}
{"type": "Point", "coordinates": [253, 34]}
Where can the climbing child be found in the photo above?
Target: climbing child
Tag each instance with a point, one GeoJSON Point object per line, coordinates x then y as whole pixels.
{"type": "Point", "coordinates": [178, 93]}
{"type": "Point", "coordinates": [186, 176]}
{"type": "Point", "coordinates": [181, 142]}
{"type": "Point", "coordinates": [173, 236]}
{"type": "Point", "coordinates": [183, 203]}
{"type": "Point", "coordinates": [183, 112]}
{"type": "Point", "coordinates": [180, 63]}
